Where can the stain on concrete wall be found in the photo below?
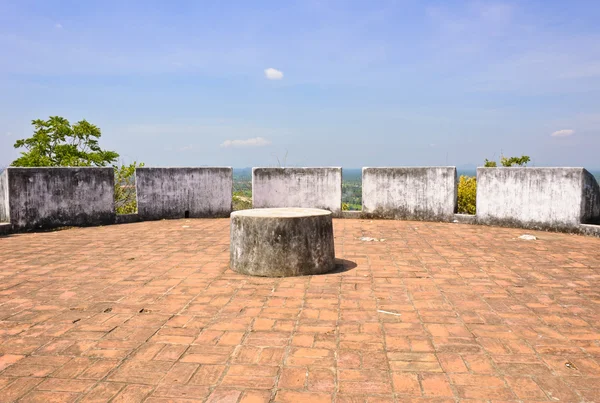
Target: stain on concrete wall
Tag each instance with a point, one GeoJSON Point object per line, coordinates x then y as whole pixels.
{"type": "Point", "coordinates": [298, 187]}
{"type": "Point", "coordinates": [55, 197]}
{"type": "Point", "coordinates": [183, 192]}
{"type": "Point", "coordinates": [4, 211]}
{"type": "Point", "coordinates": [590, 203]}
{"type": "Point", "coordinates": [540, 198]}
{"type": "Point", "coordinates": [413, 193]}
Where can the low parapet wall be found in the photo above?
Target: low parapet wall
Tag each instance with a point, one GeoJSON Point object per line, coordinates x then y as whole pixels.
{"type": "Point", "coordinates": [413, 193]}
{"type": "Point", "coordinates": [563, 199]}
{"type": "Point", "coordinates": [56, 197]}
{"type": "Point", "coordinates": [298, 187]}
{"type": "Point", "coordinates": [183, 192]}
{"type": "Point", "coordinates": [538, 198]}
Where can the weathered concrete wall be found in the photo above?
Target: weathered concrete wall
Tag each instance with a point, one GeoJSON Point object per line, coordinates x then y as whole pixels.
{"type": "Point", "coordinates": [5, 229]}
{"type": "Point", "coordinates": [541, 198]}
{"type": "Point", "coordinates": [298, 187]}
{"type": "Point", "coordinates": [171, 192]}
{"type": "Point", "coordinates": [414, 193]}
{"type": "Point", "coordinates": [55, 197]}
{"type": "Point", "coordinates": [4, 210]}
{"type": "Point", "coordinates": [590, 202]}
{"type": "Point", "coordinates": [589, 229]}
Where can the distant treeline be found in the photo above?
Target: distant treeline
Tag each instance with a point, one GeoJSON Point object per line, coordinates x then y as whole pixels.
{"type": "Point", "coordinates": [355, 174]}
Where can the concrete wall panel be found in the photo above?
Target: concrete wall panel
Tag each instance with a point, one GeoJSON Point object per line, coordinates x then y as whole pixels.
{"type": "Point", "coordinates": [171, 192]}
{"type": "Point", "coordinates": [590, 208]}
{"type": "Point", "coordinates": [543, 198]}
{"type": "Point", "coordinates": [298, 187]}
{"type": "Point", "coordinates": [54, 197]}
{"type": "Point", "coordinates": [413, 193]}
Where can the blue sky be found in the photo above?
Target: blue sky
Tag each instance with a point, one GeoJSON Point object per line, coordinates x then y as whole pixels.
{"type": "Point", "coordinates": [365, 83]}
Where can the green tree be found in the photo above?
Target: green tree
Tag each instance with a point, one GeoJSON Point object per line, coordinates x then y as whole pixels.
{"type": "Point", "coordinates": [57, 143]}
{"type": "Point", "coordinates": [508, 162]}
{"type": "Point", "coordinates": [490, 164]}
{"type": "Point", "coordinates": [515, 161]}
{"type": "Point", "coordinates": [125, 194]}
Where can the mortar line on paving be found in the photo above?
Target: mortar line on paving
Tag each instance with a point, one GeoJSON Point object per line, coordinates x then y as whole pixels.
{"type": "Point", "coordinates": [533, 349]}
{"type": "Point", "coordinates": [228, 363]}
{"type": "Point", "coordinates": [484, 351]}
{"type": "Point", "coordinates": [336, 353]}
{"type": "Point", "coordinates": [389, 372]}
{"type": "Point", "coordinates": [134, 351]}
{"type": "Point", "coordinates": [418, 315]}
{"type": "Point", "coordinates": [291, 338]}
{"type": "Point", "coordinates": [64, 310]}
{"type": "Point", "coordinates": [211, 389]}
{"type": "Point", "coordinates": [459, 318]}
{"type": "Point", "coordinates": [480, 294]}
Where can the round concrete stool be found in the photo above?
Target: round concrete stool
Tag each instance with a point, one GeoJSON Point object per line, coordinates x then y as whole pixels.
{"type": "Point", "coordinates": [282, 242]}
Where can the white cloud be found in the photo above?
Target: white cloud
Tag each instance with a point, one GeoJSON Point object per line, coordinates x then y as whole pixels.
{"type": "Point", "coordinates": [58, 26]}
{"type": "Point", "coordinates": [254, 142]}
{"type": "Point", "coordinates": [8, 134]}
{"type": "Point", "coordinates": [563, 133]}
{"type": "Point", "coordinates": [273, 74]}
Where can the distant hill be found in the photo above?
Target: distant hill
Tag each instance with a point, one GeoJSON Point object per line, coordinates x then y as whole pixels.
{"type": "Point", "coordinates": [242, 174]}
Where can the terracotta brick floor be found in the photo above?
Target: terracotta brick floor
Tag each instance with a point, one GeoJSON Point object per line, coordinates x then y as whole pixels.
{"type": "Point", "coordinates": [436, 312]}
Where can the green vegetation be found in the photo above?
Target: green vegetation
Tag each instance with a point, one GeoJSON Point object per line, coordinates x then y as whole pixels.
{"type": "Point", "coordinates": [242, 201]}
{"type": "Point", "coordinates": [57, 143]}
{"type": "Point", "coordinates": [515, 161]}
{"type": "Point", "coordinates": [467, 185]}
{"type": "Point", "coordinates": [242, 189]}
{"type": "Point", "coordinates": [352, 194]}
{"type": "Point", "coordinates": [467, 194]}
{"type": "Point", "coordinates": [125, 195]}
{"type": "Point", "coordinates": [508, 162]}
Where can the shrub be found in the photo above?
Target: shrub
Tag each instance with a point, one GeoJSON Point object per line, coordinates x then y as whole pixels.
{"type": "Point", "coordinates": [125, 195]}
{"type": "Point", "coordinates": [515, 161]}
{"type": "Point", "coordinates": [242, 200]}
{"type": "Point", "coordinates": [467, 194]}
{"type": "Point", "coordinates": [508, 162]}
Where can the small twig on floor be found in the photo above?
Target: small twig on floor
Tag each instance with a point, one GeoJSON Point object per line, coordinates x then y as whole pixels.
{"type": "Point", "coordinates": [389, 313]}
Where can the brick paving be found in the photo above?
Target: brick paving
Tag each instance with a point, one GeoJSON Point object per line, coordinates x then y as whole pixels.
{"type": "Point", "coordinates": [435, 313]}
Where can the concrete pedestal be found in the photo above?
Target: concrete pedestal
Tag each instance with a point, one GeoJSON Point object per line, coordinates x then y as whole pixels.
{"type": "Point", "coordinates": [282, 242]}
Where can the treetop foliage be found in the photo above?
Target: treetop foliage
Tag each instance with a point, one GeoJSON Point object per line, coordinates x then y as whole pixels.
{"type": "Point", "coordinates": [508, 162]}
{"type": "Point", "coordinates": [57, 143]}
{"type": "Point", "coordinates": [514, 161]}
{"type": "Point", "coordinates": [490, 164]}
